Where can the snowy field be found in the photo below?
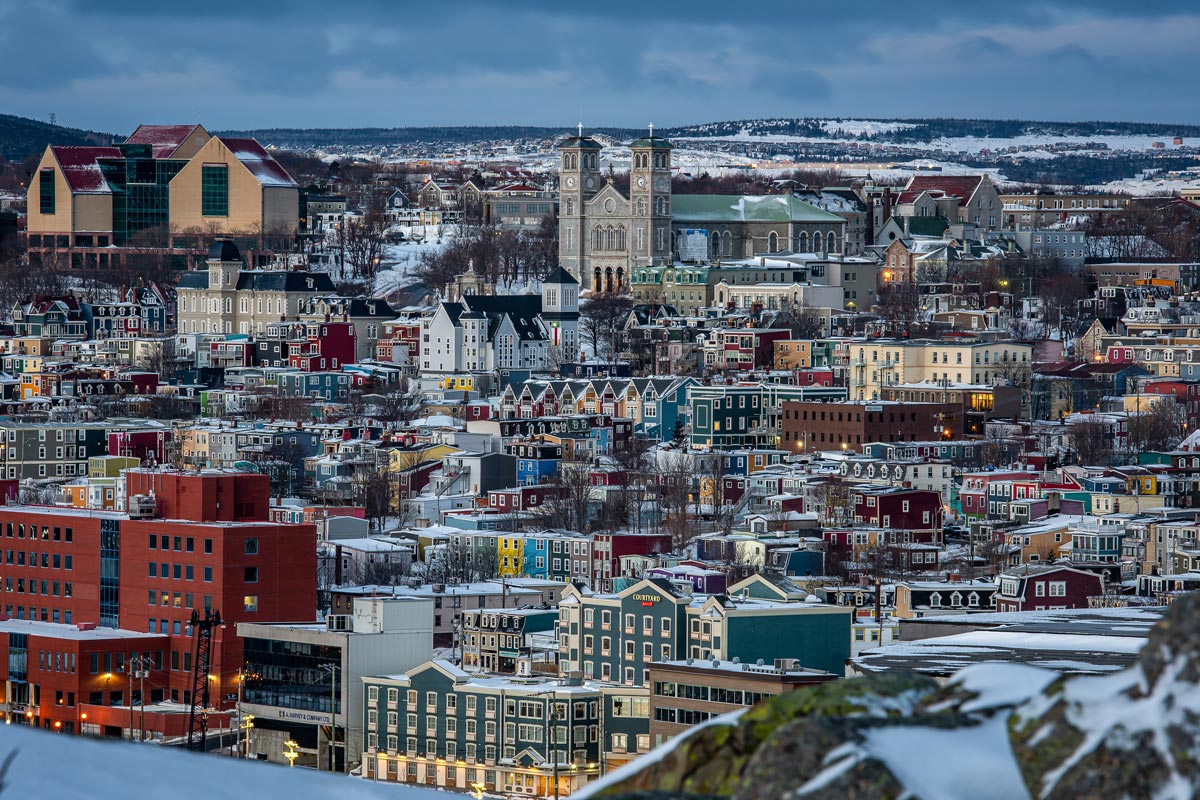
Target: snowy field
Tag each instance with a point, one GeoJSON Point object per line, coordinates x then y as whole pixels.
{"type": "Point", "coordinates": [1032, 143]}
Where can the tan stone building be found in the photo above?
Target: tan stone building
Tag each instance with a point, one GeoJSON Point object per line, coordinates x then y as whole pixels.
{"type": "Point", "coordinates": [166, 191]}
{"type": "Point", "coordinates": [226, 298]}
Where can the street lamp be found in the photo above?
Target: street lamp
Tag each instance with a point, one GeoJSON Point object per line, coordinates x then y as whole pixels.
{"type": "Point", "coordinates": [292, 753]}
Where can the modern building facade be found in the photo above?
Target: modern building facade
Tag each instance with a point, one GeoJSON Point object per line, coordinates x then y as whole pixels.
{"type": "Point", "coordinates": [166, 190]}
{"type": "Point", "coordinates": [301, 679]}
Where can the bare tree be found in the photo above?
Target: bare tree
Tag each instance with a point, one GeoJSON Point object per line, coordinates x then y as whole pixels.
{"type": "Point", "coordinates": [374, 489]}
{"type": "Point", "coordinates": [570, 504]}
{"type": "Point", "coordinates": [675, 476]}
{"type": "Point", "coordinates": [601, 320]}
{"type": "Point", "coordinates": [361, 241]}
{"type": "Point", "coordinates": [899, 305]}
{"type": "Point", "coordinates": [1093, 442]}
{"type": "Point", "coordinates": [1158, 428]}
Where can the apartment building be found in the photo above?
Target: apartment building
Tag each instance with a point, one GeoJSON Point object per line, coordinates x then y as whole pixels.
{"type": "Point", "coordinates": [876, 364]}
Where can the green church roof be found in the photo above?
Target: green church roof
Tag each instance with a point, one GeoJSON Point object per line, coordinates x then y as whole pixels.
{"type": "Point", "coordinates": [746, 208]}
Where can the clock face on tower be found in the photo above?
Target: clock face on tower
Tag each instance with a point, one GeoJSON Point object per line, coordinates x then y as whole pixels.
{"type": "Point", "coordinates": [641, 182]}
{"type": "Point", "coordinates": [590, 182]}
{"type": "Point", "coordinates": [570, 183]}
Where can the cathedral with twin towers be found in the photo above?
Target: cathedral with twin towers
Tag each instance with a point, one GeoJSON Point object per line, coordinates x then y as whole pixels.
{"type": "Point", "coordinates": [604, 232]}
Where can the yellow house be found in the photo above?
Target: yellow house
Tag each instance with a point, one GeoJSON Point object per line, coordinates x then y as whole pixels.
{"type": "Point", "coordinates": [793, 354]}
{"type": "Point", "coordinates": [463, 383]}
{"type": "Point", "coordinates": [510, 551]}
{"type": "Point", "coordinates": [401, 458]}
{"type": "Point", "coordinates": [110, 466]}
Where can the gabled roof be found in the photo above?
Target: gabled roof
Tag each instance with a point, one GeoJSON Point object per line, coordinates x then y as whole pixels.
{"type": "Point", "coordinates": [960, 186]}
{"type": "Point", "coordinates": [522, 309]}
{"type": "Point", "coordinates": [80, 166]}
{"type": "Point", "coordinates": [163, 139]}
{"type": "Point", "coordinates": [746, 208]}
{"type": "Point", "coordinates": [560, 275]}
{"type": "Point", "coordinates": [256, 159]}
{"type": "Point", "coordinates": [927, 226]}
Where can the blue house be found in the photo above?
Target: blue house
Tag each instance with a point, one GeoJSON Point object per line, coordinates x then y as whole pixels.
{"type": "Point", "coordinates": [537, 461]}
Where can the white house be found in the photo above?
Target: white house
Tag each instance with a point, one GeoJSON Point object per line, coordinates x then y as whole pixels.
{"type": "Point", "coordinates": [481, 332]}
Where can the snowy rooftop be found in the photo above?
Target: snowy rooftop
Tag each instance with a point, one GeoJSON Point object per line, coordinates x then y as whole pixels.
{"type": "Point", "coordinates": [1066, 653]}
{"type": "Point", "coordinates": [56, 630]}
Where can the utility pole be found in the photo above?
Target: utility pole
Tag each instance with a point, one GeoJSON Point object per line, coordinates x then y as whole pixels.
{"type": "Point", "coordinates": [332, 715]}
{"type": "Point", "coordinates": [143, 668]}
{"type": "Point", "coordinates": [137, 669]}
{"type": "Point", "coordinates": [237, 750]}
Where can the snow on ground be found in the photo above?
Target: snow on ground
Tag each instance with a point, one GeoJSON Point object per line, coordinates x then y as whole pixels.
{"type": "Point", "coordinates": [1030, 142]}
{"type": "Point", "coordinates": [1149, 187]}
{"type": "Point", "coordinates": [857, 127]}
{"type": "Point", "coordinates": [399, 260]}
{"type": "Point", "coordinates": [53, 765]}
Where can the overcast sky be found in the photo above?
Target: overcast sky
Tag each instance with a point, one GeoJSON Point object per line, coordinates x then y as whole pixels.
{"type": "Point", "coordinates": [111, 64]}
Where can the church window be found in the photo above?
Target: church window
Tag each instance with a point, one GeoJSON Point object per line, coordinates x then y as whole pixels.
{"type": "Point", "coordinates": [803, 248]}
{"type": "Point", "coordinates": [773, 242]}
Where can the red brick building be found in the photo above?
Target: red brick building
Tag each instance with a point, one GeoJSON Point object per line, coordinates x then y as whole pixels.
{"type": "Point", "coordinates": [53, 673]}
{"type": "Point", "coordinates": [188, 542]}
{"type": "Point", "coordinates": [809, 425]}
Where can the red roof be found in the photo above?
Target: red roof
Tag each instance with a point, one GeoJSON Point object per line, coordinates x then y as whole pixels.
{"type": "Point", "coordinates": [164, 139]}
{"type": "Point", "coordinates": [960, 186]}
{"type": "Point", "coordinates": [256, 159]}
{"type": "Point", "coordinates": [80, 168]}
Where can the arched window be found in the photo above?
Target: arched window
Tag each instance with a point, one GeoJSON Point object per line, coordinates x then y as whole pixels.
{"type": "Point", "coordinates": [569, 207]}
{"type": "Point", "coordinates": [714, 245]}
{"type": "Point", "coordinates": [621, 238]}
{"type": "Point", "coordinates": [773, 242]}
{"type": "Point", "coordinates": [727, 243]}
{"type": "Point", "coordinates": [803, 242]}
{"type": "Point", "coordinates": [834, 243]}
{"type": "Point", "coordinates": [818, 243]}
{"type": "Point", "coordinates": [597, 238]}
{"type": "Point", "coordinates": [610, 238]}
{"type": "Point", "coordinates": [639, 207]}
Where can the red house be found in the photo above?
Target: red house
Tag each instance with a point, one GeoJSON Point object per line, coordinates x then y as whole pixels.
{"type": "Point", "coordinates": [609, 548]}
{"type": "Point", "coordinates": [521, 498]}
{"type": "Point", "coordinates": [974, 491]}
{"type": "Point", "coordinates": [319, 346]}
{"type": "Point", "coordinates": [1046, 589]}
{"type": "Point", "coordinates": [898, 508]}
{"type": "Point", "coordinates": [148, 445]}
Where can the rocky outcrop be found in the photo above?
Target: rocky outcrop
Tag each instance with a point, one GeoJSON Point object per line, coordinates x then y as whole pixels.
{"type": "Point", "coordinates": [995, 732]}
